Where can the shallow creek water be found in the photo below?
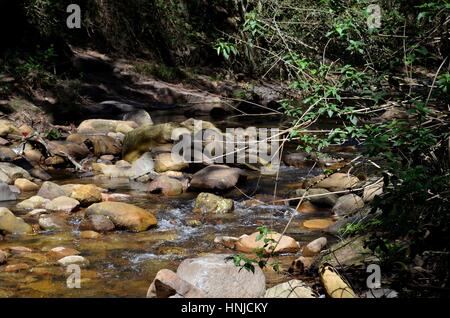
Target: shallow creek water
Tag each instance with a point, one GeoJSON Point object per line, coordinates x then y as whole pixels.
{"type": "Point", "coordinates": [123, 264]}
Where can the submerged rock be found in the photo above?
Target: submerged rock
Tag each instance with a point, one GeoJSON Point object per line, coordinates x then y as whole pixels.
{"type": "Point", "coordinates": [168, 284]}
{"type": "Point", "coordinates": [124, 215]}
{"type": "Point", "coordinates": [59, 252]}
{"type": "Point", "coordinates": [11, 224]}
{"type": "Point", "coordinates": [218, 277]}
{"type": "Point", "coordinates": [291, 289]}
{"type": "Point", "coordinates": [211, 203]}
{"type": "Point", "coordinates": [216, 177]}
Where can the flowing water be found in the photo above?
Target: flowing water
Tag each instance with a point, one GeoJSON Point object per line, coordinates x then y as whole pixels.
{"type": "Point", "coordinates": [123, 264]}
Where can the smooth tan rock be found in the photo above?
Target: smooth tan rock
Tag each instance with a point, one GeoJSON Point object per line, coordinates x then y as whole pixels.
{"type": "Point", "coordinates": [59, 252]}
{"type": "Point", "coordinates": [164, 162]}
{"type": "Point", "coordinates": [317, 196]}
{"type": "Point", "coordinates": [17, 267]}
{"type": "Point", "coordinates": [335, 182]}
{"type": "Point", "coordinates": [16, 250]}
{"type": "Point", "coordinates": [318, 224]}
{"type": "Point", "coordinates": [308, 207]}
{"type": "Point", "coordinates": [26, 185]}
{"type": "Point", "coordinates": [216, 177]}
{"type": "Point", "coordinates": [371, 191]}
{"type": "Point", "coordinates": [124, 215]}
{"type": "Point", "coordinates": [104, 126]}
{"type": "Point", "coordinates": [90, 235]}
{"type": "Point", "coordinates": [313, 248]}
{"type": "Point", "coordinates": [301, 264]}
{"type": "Point", "coordinates": [248, 243]}
{"type": "Point", "coordinates": [11, 224]}
{"type": "Point", "coordinates": [166, 185]}
{"type": "Point", "coordinates": [335, 285]}
{"type": "Point", "coordinates": [35, 202]}
{"type": "Point", "coordinates": [63, 203]}
{"type": "Point", "coordinates": [86, 194]}
{"type": "Point", "coordinates": [50, 190]}
{"type": "Point", "coordinates": [73, 259]}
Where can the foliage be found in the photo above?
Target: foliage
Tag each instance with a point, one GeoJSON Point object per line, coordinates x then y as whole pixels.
{"type": "Point", "coordinates": [262, 254]}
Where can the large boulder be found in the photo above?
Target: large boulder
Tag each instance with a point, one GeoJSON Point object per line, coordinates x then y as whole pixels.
{"type": "Point", "coordinates": [291, 289]}
{"type": "Point", "coordinates": [166, 185]}
{"type": "Point", "coordinates": [11, 224]}
{"type": "Point", "coordinates": [6, 193]}
{"type": "Point", "coordinates": [50, 190]}
{"type": "Point", "coordinates": [104, 126]}
{"type": "Point", "coordinates": [167, 284]}
{"type": "Point", "coordinates": [348, 204]}
{"type": "Point", "coordinates": [216, 177]}
{"type": "Point", "coordinates": [211, 203]}
{"type": "Point", "coordinates": [335, 182]}
{"type": "Point", "coordinates": [164, 162]}
{"type": "Point", "coordinates": [218, 277]}
{"type": "Point", "coordinates": [317, 196]}
{"type": "Point", "coordinates": [124, 215]}
{"type": "Point", "coordinates": [249, 243]}
{"type": "Point", "coordinates": [144, 138]}
{"type": "Point", "coordinates": [10, 172]}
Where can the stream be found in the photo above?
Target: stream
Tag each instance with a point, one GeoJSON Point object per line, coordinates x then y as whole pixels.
{"type": "Point", "coordinates": [123, 264]}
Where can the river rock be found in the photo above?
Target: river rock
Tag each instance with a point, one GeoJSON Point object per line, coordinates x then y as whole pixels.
{"type": "Point", "coordinates": [36, 212]}
{"type": "Point", "coordinates": [8, 127]}
{"type": "Point", "coordinates": [216, 177]}
{"type": "Point", "coordinates": [63, 203]}
{"type": "Point", "coordinates": [164, 162]}
{"type": "Point", "coordinates": [320, 197]}
{"type": "Point", "coordinates": [40, 173]}
{"type": "Point", "coordinates": [298, 159]}
{"type": "Point", "coordinates": [218, 277]}
{"type": "Point", "coordinates": [144, 138]}
{"type": "Point", "coordinates": [35, 202]}
{"type": "Point", "coordinates": [211, 203]}
{"type": "Point", "coordinates": [3, 257]}
{"type": "Point", "coordinates": [10, 172]}
{"type": "Point", "coordinates": [104, 126]}
{"type": "Point", "coordinates": [11, 224]}
{"type": "Point", "coordinates": [348, 204]}
{"type": "Point", "coordinates": [6, 154]}
{"type": "Point", "coordinates": [167, 284]}
{"type": "Point", "coordinates": [98, 223]}
{"type": "Point", "coordinates": [59, 252]}
{"type": "Point", "coordinates": [90, 235]}
{"type": "Point", "coordinates": [50, 190]}
{"type": "Point", "coordinates": [371, 191]}
{"type": "Point", "coordinates": [139, 116]}
{"type": "Point", "coordinates": [26, 185]}
{"type": "Point", "coordinates": [335, 182]}
{"type": "Point", "coordinates": [54, 161]}
{"type": "Point", "coordinates": [318, 224]}
{"type": "Point", "coordinates": [86, 194]}
{"type": "Point", "coordinates": [313, 248]}
{"type": "Point", "coordinates": [64, 148]}
{"type": "Point", "coordinates": [124, 215]}
{"type": "Point", "coordinates": [248, 243]}
{"type": "Point", "coordinates": [33, 155]}
{"type": "Point", "coordinates": [301, 264]}
{"type": "Point", "coordinates": [73, 259]}
{"type": "Point", "coordinates": [291, 289]}
{"type": "Point", "coordinates": [16, 267]}
{"type": "Point", "coordinates": [166, 185]}
{"type": "Point", "coordinates": [52, 222]}
{"type": "Point", "coordinates": [308, 207]}
{"type": "Point", "coordinates": [103, 145]}
{"type": "Point", "coordinates": [17, 250]}
{"type": "Point", "coordinates": [6, 193]}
